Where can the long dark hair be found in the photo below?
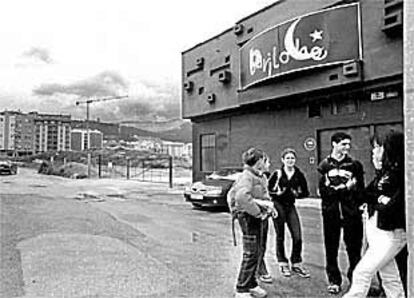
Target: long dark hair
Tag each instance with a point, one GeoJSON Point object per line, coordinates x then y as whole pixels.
{"type": "Point", "coordinates": [393, 157]}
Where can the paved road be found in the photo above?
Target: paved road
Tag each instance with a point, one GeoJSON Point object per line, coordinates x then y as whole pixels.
{"type": "Point", "coordinates": [118, 238]}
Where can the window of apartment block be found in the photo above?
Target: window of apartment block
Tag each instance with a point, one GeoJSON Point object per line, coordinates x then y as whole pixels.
{"type": "Point", "coordinates": [208, 152]}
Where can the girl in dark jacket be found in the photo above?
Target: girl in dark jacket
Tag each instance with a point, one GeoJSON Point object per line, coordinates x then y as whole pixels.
{"type": "Point", "coordinates": [385, 227]}
{"type": "Point", "coordinates": [285, 186]}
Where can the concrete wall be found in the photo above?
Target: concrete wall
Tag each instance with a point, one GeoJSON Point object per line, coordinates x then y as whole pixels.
{"type": "Point", "coordinates": [274, 128]}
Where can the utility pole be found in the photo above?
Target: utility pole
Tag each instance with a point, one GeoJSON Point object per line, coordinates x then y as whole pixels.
{"type": "Point", "coordinates": [87, 102]}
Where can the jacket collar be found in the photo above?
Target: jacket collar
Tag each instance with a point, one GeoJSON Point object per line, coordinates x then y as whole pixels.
{"type": "Point", "coordinates": [253, 171]}
{"type": "Point", "coordinates": [345, 158]}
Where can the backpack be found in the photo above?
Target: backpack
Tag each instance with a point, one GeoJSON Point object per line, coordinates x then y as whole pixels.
{"type": "Point", "coordinates": [231, 200]}
{"type": "Point", "coordinates": [231, 203]}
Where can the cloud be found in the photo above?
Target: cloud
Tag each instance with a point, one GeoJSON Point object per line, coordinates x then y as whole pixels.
{"type": "Point", "coordinates": [151, 102]}
{"type": "Point", "coordinates": [39, 54]}
{"type": "Point", "coordinates": [148, 100]}
{"type": "Point", "coordinates": [108, 83]}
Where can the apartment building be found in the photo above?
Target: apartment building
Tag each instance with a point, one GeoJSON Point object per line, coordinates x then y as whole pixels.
{"type": "Point", "coordinates": [52, 132]}
{"type": "Point", "coordinates": [79, 139]}
{"type": "Point", "coordinates": [7, 131]}
{"type": "Point", "coordinates": [16, 133]}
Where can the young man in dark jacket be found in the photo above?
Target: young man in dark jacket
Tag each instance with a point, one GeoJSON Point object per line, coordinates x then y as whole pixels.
{"type": "Point", "coordinates": [342, 178]}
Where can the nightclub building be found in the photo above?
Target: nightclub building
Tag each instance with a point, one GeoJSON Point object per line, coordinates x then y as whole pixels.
{"type": "Point", "coordinates": [291, 75]}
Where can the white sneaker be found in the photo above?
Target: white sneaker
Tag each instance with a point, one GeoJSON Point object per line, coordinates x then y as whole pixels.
{"type": "Point", "coordinates": [243, 295]}
{"type": "Point", "coordinates": [258, 292]}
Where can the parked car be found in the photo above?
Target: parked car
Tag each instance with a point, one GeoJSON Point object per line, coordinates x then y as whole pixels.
{"type": "Point", "coordinates": [212, 191]}
{"type": "Point", "coordinates": [8, 167]}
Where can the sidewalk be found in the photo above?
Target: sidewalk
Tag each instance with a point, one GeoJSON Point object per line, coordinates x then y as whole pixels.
{"type": "Point", "coordinates": [97, 189]}
{"type": "Point", "coordinates": [309, 203]}
{"type": "Point", "coordinates": [130, 188]}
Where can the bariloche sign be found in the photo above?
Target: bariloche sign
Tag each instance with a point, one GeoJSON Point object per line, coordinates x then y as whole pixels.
{"type": "Point", "coordinates": [326, 37]}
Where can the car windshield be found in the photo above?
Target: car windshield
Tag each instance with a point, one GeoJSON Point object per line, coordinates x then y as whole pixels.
{"type": "Point", "coordinates": [226, 174]}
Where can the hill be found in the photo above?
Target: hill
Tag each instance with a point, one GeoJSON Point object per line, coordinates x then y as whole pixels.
{"type": "Point", "coordinates": [175, 130]}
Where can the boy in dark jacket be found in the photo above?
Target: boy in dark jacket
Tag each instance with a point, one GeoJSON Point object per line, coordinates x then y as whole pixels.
{"type": "Point", "coordinates": [342, 178]}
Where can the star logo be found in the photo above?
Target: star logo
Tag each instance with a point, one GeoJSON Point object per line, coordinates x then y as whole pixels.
{"type": "Point", "coordinates": [316, 34]}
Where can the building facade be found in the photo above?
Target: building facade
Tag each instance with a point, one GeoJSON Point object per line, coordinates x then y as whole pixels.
{"type": "Point", "coordinates": [291, 75]}
{"type": "Point", "coordinates": [175, 149]}
{"type": "Point", "coordinates": [7, 131]}
{"type": "Point", "coordinates": [79, 139]}
{"type": "Point", "coordinates": [25, 134]}
{"type": "Point", "coordinates": [52, 132]}
{"type": "Point", "coordinates": [16, 133]}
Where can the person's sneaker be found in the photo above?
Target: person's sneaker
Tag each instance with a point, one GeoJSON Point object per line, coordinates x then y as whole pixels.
{"type": "Point", "coordinates": [267, 278]}
{"type": "Point", "coordinates": [243, 295]}
{"type": "Point", "coordinates": [301, 271]}
{"type": "Point", "coordinates": [258, 292]}
{"type": "Point", "coordinates": [334, 289]}
{"type": "Point", "coordinates": [285, 271]}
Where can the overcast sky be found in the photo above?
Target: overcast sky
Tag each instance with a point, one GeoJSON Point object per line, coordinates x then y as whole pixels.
{"type": "Point", "coordinates": [54, 52]}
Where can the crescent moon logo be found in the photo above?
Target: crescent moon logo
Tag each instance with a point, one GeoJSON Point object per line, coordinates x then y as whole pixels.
{"type": "Point", "coordinates": [290, 46]}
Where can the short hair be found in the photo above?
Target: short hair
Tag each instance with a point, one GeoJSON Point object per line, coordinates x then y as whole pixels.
{"type": "Point", "coordinates": [252, 155]}
{"type": "Point", "coordinates": [287, 151]}
{"type": "Point", "coordinates": [339, 136]}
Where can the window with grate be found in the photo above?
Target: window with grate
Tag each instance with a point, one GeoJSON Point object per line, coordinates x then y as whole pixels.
{"type": "Point", "coordinates": [208, 152]}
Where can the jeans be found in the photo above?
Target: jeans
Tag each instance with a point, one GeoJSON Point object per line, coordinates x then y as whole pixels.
{"type": "Point", "coordinates": [254, 246]}
{"type": "Point", "coordinates": [353, 234]}
{"type": "Point", "coordinates": [383, 246]}
{"type": "Point", "coordinates": [289, 215]}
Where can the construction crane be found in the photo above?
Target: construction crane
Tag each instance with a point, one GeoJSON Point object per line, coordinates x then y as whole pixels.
{"type": "Point", "coordinates": [87, 102]}
{"type": "Point", "coordinates": [93, 100]}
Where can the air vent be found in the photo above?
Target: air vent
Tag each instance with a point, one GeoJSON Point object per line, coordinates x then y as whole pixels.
{"type": "Point", "coordinates": [188, 86]}
{"type": "Point", "coordinates": [238, 29]}
{"type": "Point", "coordinates": [350, 69]}
{"type": "Point", "coordinates": [393, 22]}
{"type": "Point", "coordinates": [224, 76]}
{"type": "Point", "coordinates": [393, 17]}
{"type": "Point", "coordinates": [200, 62]}
{"type": "Point", "coordinates": [211, 98]}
